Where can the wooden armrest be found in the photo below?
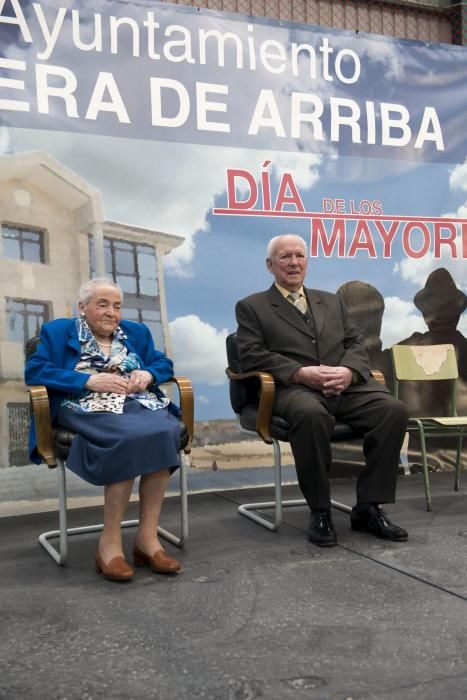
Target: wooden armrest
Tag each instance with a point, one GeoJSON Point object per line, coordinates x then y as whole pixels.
{"type": "Point", "coordinates": [185, 390]}
{"type": "Point", "coordinates": [379, 376]}
{"type": "Point", "coordinates": [41, 411]}
{"type": "Point", "coordinates": [266, 398]}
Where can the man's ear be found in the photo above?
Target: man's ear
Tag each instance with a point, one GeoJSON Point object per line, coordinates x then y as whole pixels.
{"type": "Point", "coordinates": [269, 264]}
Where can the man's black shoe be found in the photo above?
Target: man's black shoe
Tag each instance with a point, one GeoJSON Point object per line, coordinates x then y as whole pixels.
{"type": "Point", "coordinates": [321, 530]}
{"type": "Point", "coordinates": [371, 518]}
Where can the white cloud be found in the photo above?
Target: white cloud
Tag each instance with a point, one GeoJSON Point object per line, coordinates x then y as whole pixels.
{"type": "Point", "coordinates": [387, 53]}
{"type": "Point", "coordinates": [203, 400]}
{"type": "Point", "coordinates": [462, 325]}
{"type": "Point", "coordinates": [400, 320]}
{"type": "Point", "coordinates": [417, 270]}
{"type": "Point", "coordinates": [458, 177]}
{"type": "Point", "coordinates": [199, 349]}
{"type": "Point", "coordinates": [303, 166]}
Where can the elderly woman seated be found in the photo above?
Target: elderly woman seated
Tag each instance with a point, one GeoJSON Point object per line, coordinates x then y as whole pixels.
{"type": "Point", "coordinates": [103, 378]}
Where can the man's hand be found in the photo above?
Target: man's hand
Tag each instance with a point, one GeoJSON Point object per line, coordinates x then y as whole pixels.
{"type": "Point", "coordinates": [107, 382]}
{"type": "Point", "coordinates": [331, 381]}
{"type": "Point", "coordinates": [139, 380]}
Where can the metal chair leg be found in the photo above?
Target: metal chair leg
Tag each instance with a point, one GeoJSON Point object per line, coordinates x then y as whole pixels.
{"type": "Point", "coordinates": [60, 555]}
{"type": "Point", "coordinates": [249, 509]}
{"type": "Point", "coordinates": [174, 539]}
{"type": "Point", "coordinates": [426, 475]}
{"type": "Point", "coordinates": [458, 463]}
{"type": "Point", "coordinates": [404, 458]}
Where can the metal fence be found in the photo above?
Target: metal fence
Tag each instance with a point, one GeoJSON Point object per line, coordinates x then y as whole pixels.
{"type": "Point", "coordinates": [429, 21]}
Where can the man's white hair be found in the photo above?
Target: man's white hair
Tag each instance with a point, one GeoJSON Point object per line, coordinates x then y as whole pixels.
{"type": "Point", "coordinates": [88, 289]}
{"type": "Point", "coordinates": [274, 243]}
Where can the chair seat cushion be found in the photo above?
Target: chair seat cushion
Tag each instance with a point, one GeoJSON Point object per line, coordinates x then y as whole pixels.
{"type": "Point", "coordinates": [63, 438]}
{"type": "Point", "coordinates": [62, 441]}
{"type": "Point", "coordinates": [184, 436]}
{"type": "Point", "coordinates": [279, 427]}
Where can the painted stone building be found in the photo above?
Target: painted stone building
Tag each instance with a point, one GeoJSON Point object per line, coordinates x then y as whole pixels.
{"type": "Point", "coordinates": [53, 237]}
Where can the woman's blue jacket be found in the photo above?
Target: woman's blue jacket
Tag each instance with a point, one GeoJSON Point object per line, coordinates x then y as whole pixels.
{"type": "Point", "coordinates": [58, 352]}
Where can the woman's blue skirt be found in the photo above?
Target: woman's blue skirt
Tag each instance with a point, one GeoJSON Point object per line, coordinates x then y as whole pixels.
{"type": "Point", "coordinates": [112, 447]}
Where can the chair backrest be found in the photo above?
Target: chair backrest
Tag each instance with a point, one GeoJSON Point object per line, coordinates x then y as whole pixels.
{"type": "Point", "coordinates": [242, 392]}
{"type": "Point", "coordinates": [424, 362]}
{"type": "Point", "coordinates": [233, 358]}
{"type": "Point", "coordinates": [31, 346]}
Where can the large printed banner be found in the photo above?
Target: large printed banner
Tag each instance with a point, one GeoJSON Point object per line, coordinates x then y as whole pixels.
{"type": "Point", "coordinates": [164, 145]}
{"type": "Point", "coordinates": [152, 71]}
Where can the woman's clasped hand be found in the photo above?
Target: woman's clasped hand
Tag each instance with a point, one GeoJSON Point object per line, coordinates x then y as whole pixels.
{"type": "Point", "coordinates": [135, 382]}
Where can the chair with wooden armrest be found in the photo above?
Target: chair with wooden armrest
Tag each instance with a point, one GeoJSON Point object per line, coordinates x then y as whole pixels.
{"type": "Point", "coordinates": [431, 363]}
{"type": "Point", "coordinates": [252, 397]}
{"type": "Point", "coordinates": [53, 445]}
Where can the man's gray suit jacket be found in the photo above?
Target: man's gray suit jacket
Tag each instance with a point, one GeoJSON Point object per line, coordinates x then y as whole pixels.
{"type": "Point", "coordinates": [273, 337]}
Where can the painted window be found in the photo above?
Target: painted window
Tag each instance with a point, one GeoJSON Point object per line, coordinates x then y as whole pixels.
{"type": "Point", "coordinates": [133, 266]}
{"type": "Point", "coordinates": [20, 243]}
{"type": "Point", "coordinates": [25, 318]}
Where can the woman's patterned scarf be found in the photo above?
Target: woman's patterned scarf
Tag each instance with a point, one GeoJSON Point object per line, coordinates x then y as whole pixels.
{"type": "Point", "coordinates": [93, 360]}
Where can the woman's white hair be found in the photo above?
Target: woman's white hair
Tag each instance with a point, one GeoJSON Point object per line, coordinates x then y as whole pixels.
{"type": "Point", "coordinates": [88, 289]}
{"type": "Point", "coordinates": [274, 242]}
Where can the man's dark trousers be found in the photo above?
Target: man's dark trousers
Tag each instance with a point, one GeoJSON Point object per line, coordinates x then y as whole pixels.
{"type": "Point", "coordinates": [377, 416]}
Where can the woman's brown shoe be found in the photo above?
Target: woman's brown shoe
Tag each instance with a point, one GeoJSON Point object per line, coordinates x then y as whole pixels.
{"type": "Point", "coordinates": [117, 569]}
{"type": "Point", "coordinates": [160, 562]}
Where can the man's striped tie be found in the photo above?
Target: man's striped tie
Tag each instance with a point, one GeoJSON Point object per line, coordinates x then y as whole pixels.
{"type": "Point", "coordinates": [298, 301]}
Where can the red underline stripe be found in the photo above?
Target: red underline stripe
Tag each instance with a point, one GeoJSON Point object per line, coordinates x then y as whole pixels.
{"type": "Point", "coordinates": [322, 215]}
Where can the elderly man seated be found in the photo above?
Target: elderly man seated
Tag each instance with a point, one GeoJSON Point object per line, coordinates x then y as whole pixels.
{"type": "Point", "coordinates": [304, 338]}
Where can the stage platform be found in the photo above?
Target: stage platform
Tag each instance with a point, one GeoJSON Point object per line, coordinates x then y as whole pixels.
{"type": "Point", "coordinates": [255, 614]}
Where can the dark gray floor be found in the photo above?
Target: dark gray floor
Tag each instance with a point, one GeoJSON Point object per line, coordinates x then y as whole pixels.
{"type": "Point", "coordinates": [254, 614]}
